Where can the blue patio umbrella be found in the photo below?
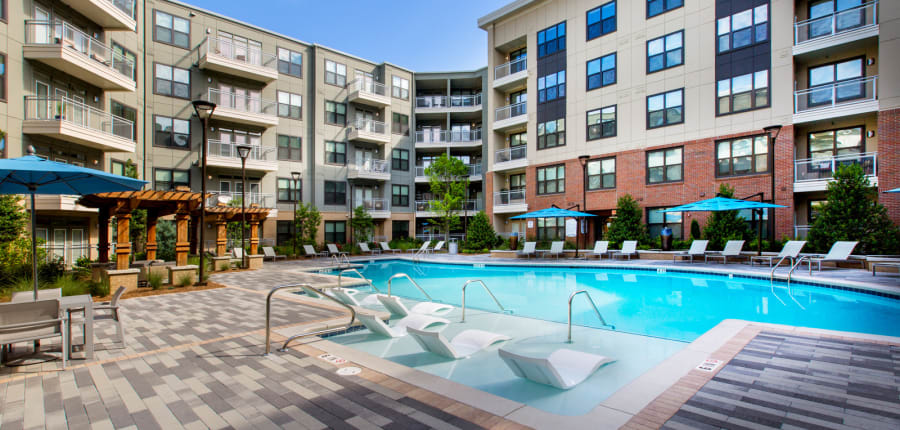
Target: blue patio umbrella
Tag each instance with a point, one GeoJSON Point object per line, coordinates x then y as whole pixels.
{"type": "Point", "coordinates": [35, 175]}
{"type": "Point", "coordinates": [555, 212]}
{"type": "Point", "coordinates": [717, 204]}
{"type": "Point", "coordinates": [895, 190]}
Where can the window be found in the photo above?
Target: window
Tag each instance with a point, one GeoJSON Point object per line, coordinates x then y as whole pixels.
{"type": "Point", "coordinates": [3, 76]}
{"type": "Point", "coordinates": [551, 180]}
{"type": "Point", "coordinates": [601, 20]}
{"type": "Point", "coordinates": [552, 86]}
{"type": "Point", "coordinates": [335, 113]}
{"type": "Point", "coordinates": [835, 82]}
{"type": "Point", "coordinates": [601, 173]}
{"type": "Point", "coordinates": [336, 153]}
{"type": "Point", "coordinates": [517, 60]}
{"type": "Point", "coordinates": [601, 123]}
{"type": "Point", "coordinates": [400, 87]}
{"type": "Point", "coordinates": [552, 39]}
{"type": "Point", "coordinates": [814, 208]}
{"type": "Point", "coordinates": [123, 66]}
{"type": "Point", "coordinates": [743, 28]}
{"type": "Point", "coordinates": [289, 105]}
{"type": "Point", "coordinates": [742, 156]}
{"type": "Point", "coordinates": [117, 168]}
{"type": "Point", "coordinates": [551, 134]}
{"type": "Point", "coordinates": [168, 179]}
{"type": "Point", "coordinates": [335, 73]}
{"type": "Point", "coordinates": [551, 228]}
{"type": "Point", "coordinates": [284, 232]}
{"type": "Point", "coordinates": [122, 111]}
{"type": "Point", "coordinates": [287, 191]}
{"type": "Point", "coordinates": [664, 165]}
{"type": "Point", "coordinates": [289, 148]}
{"type": "Point", "coordinates": [665, 109]}
{"type": "Point", "coordinates": [172, 81]}
{"type": "Point", "coordinates": [172, 30]}
{"type": "Point", "coordinates": [400, 124]}
{"type": "Point", "coordinates": [400, 195]}
{"type": "Point", "coordinates": [335, 193]}
{"type": "Point", "coordinates": [665, 52]}
{"type": "Point", "coordinates": [336, 231]}
{"type": "Point", "coordinates": [172, 132]}
{"type": "Point", "coordinates": [290, 62]}
{"type": "Point", "coordinates": [400, 160]}
{"type": "Point", "coordinates": [842, 20]}
{"type": "Point", "coordinates": [601, 71]}
{"type": "Point", "coordinates": [743, 93]}
{"type": "Point", "coordinates": [656, 7]}
{"type": "Point", "coordinates": [518, 139]}
{"type": "Point", "coordinates": [832, 143]}
{"type": "Point", "coordinates": [656, 219]}
{"type": "Point", "coordinates": [748, 216]}
{"type": "Point", "coordinates": [399, 229]}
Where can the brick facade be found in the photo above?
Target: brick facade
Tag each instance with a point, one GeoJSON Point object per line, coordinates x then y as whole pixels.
{"type": "Point", "coordinates": [889, 161]}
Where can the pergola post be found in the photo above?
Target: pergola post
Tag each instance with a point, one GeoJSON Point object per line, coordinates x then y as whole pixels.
{"type": "Point", "coordinates": [194, 240]}
{"type": "Point", "coordinates": [103, 235]}
{"type": "Point", "coordinates": [182, 242]}
{"type": "Point", "coordinates": [151, 235]}
{"type": "Point", "coordinates": [221, 235]}
{"type": "Point", "coordinates": [123, 243]}
{"type": "Point", "coordinates": [254, 235]}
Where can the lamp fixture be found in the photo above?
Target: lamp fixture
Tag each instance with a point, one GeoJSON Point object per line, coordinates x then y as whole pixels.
{"type": "Point", "coordinates": [203, 108]}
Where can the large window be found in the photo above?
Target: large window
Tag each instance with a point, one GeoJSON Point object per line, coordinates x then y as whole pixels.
{"type": "Point", "coordinates": [601, 20]}
{"type": "Point", "coordinates": [656, 7]}
{"type": "Point", "coordinates": [129, 113]}
{"type": "Point", "coordinates": [168, 179]}
{"type": "Point", "coordinates": [400, 87]}
{"type": "Point", "coordinates": [290, 62]}
{"type": "Point", "coordinates": [742, 156]}
{"type": "Point", "coordinates": [601, 123]}
{"type": "Point", "coordinates": [833, 79]}
{"type": "Point", "coordinates": [122, 66]}
{"type": "Point", "coordinates": [552, 86]}
{"type": "Point", "coordinates": [400, 160]}
{"type": "Point", "coordinates": [665, 109]}
{"type": "Point", "coordinates": [399, 229]}
{"type": "Point", "coordinates": [665, 52]}
{"type": "Point", "coordinates": [742, 29]}
{"type": "Point", "coordinates": [601, 173]}
{"type": "Point", "coordinates": [843, 20]}
{"type": "Point", "coordinates": [287, 192]}
{"type": "Point", "coordinates": [552, 39]}
{"type": "Point", "coordinates": [335, 193]}
{"type": "Point", "coordinates": [335, 73]}
{"type": "Point", "coordinates": [172, 30]}
{"type": "Point", "coordinates": [172, 81]}
{"type": "Point", "coordinates": [335, 113]}
{"type": "Point", "coordinates": [748, 216]}
{"type": "Point", "coordinates": [601, 71]}
{"type": "Point", "coordinates": [117, 167]}
{"type": "Point", "coordinates": [831, 143]}
{"type": "Point", "coordinates": [664, 165]}
{"type": "Point", "coordinates": [657, 219]}
{"type": "Point", "coordinates": [743, 93]}
{"type": "Point", "coordinates": [290, 105]}
{"type": "Point", "coordinates": [551, 134]}
{"type": "Point", "coordinates": [551, 180]}
{"type": "Point", "coordinates": [172, 132]}
{"type": "Point", "coordinates": [289, 148]}
{"type": "Point", "coordinates": [400, 124]}
{"type": "Point", "coordinates": [400, 195]}
{"type": "Point", "coordinates": [284, 232]}
{"type": "Point", "coordinates": [336, 153]}
{"type": "Point", "coordinates": [336, 231]}
{"type": "Point", "coordinates": [551, 228]}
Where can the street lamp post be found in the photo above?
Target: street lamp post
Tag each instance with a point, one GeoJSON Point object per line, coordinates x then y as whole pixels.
{"type": "Point", "coordinates": [296, 198]}
{"type": "Point", "coordinates": [243, 152]}
{"type": "Point", "coordinates": [204, 110]}
{"type": "Point", "coordinates": [772, 132]}
{"type": "Point", "coordinates": [583, 159]}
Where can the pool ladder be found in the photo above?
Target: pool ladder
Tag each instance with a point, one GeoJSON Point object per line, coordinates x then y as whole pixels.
{"type": "Point", "coordinates": [793, 267]}
{"type": "Point", "coordinates": [404, 275]}
{"type": "Point", "coordinates": [340, 259]}
{"type": "Point", "coordinates": [472, 281]}
{"type": "Point", "coordinates": [593, 305]}
{"type": "Point", "coordinates": [369, 281]}
{"type": "Point", "coordinates": [312, 292]}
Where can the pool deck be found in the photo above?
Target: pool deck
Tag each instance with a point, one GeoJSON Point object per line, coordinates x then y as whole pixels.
{"type": "Point", "coordinates": [194, 360]}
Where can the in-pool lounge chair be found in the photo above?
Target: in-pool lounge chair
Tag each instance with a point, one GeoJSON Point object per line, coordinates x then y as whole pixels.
{"type": "Point", "coordinates": [364, 247]}
{"type": "Point", "coordinates": [387, 248]}
{"type": "Point", "coordinates": [311, 252]}
{"type": "Point", "coordinates": [348, 296]}
{"type": "Point", "coordinates": [269, 254]}
{"type": "Point", "coordinates": [556, 249]}
{"type": "Point", "coordinates": [790, 250]}
{"type": "Point", "coordinates": [396, 307]}
{"type": "Point", "coordinates": [732, 249]}
{"type": "Point", "coordinates": [698, 249]}
{"type": "Point", "coordinates": [629, 248]}
{"type": "Point", "coordinates": [333, 250]}
{"type": "Point", "coordinates": [563, 369]}
{"type": "Point", "coordinates": [601, 248]}
{"type": "Point", "coordinates": [839, 253]}
{"type": "Point", "coordinates": [528, 250]}
{"type": "Point", "coordinates": [378, 326]}
{"type": "Point", "coordinates": [421, 250]}
{"type": "Point", "coordinates": [463, 345]}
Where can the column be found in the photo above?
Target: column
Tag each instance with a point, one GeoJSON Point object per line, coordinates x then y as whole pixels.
{"type": "Point", "coordinates": [254, 235]}
{"type": "Point", "coordinates": [103, 235]}
{"type": "Point", "coordinates": [182, 243]}
{"type": "Point", "coordinates": [221, 236]}
{"type": "Point", "coordinates": [123, 245]}
{"type": "Point", "coordinates": [195, 238]}
{"type": "Point", "coordinates": [151, 235]}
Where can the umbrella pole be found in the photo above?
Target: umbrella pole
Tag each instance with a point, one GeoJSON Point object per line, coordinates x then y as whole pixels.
{"type": "Point", "coordinates": [759, 233]}
{"type": "Point", "coordinates": [34, 277]}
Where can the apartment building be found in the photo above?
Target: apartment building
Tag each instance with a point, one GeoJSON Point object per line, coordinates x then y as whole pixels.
{"type": "Point", "coordinates": [667, 99]}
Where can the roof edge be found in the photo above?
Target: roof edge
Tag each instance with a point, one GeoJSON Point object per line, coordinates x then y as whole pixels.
{"type": "Point", "coordinates": [504, 11]}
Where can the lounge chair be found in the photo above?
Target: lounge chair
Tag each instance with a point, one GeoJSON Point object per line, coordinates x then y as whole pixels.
{"type": "Point", "coordinates": [423, 249]}
{"type": "Point", "coordinates": [269, 254]}
{"type": "Point", "coordinates": [732, 249]}
{"type": "Point", "coordinates": [377, 325]}
{"type": "Point", "coordinates": [396, 307]}
{"type": "Point", "coordinates": [629, 248]}
{"type": "Point", "coordinates": [563, 369]}
{"type": "Point", "coordinates": [348, 297]}
{"type": "Point", "coordinates": [839, 253]}
{"type": "Point", "coordinates": [601, 248]}
{"type": "Point", "coordinates": [528, 250]}
{"type": "Point", "coordinates": [333, 250]}
{"type": "Point", "coordinates": [463, 345]}
{"type": "Point", "coordinates": [556, 248]}
{"type": "Point", "coordinates": [32, 321]}
{"type": "Point", "coordinates": [311, 252]}
{"type": "Point", "coordinates": [364, 247]}
{"type": "Point", "coordinates": [698, 249]}
{"type": "Point", "coordinates": [790, 250]}
{"type": "Point", "coordinates": [438, 247]}
{"type": "Point", "coordinates": [386, 248]}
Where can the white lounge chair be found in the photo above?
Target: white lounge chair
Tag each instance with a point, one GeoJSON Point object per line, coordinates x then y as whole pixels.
{"type": "Point", "coordinates": [790, 250]}
{"type": "Point", "coordinates": [364, 247]}
{"type": "Point", "coordinates": [556, 248]}
{"type": "Point", "coordinates": [601, 248]}
{"type": "Point", "coordinates": [629, 248]}
{"type": "Point", "coordinates": [438, 247]}
{"type": "Point", "coordinates": [311, 252]}
{"type": "Point", "coordinates": [563, 369]}
{"type": "Point", "coordinates": [333, 250]}
{"type": "Point", "coordinates": [698, 249]}
{"type": "Point", "coordinates": [839, 253]}
{"type": "Point", "coordinates": [463, 345]}
{"type": "Point", "coordinates": [732, 249]}
{"type": "Point", "coordinates": [528, 250]}
{"type": "Point", "coordinates": [348, 296]}
{"type": "Point", "coordinates": [423, 249]}
{"type": "Point", "coordinates": [377, 325]}
{"type": "Point", "coordinates": [396, 307]}
{"type": "Point", "coordinates": [269, 254]}
{"type": "Point", "coordinates": [237, 256]}
{"type": "Point", "coordinates": [387, 248]}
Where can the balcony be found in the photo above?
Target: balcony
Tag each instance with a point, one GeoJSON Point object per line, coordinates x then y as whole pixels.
{"type": "Point", "coordinates": [511, 158]}
{"type": "Point", "coordinates": [109, 14]}
{"type": "Point", "coordinates": [68, 49]}
{"type": "Point", "coordinates": [233, 198]}
{"type": "Point", "coordinates": [425, 208]}
{"type": "Point", "coordinates": [813, 174]}
{"type": "Point", "coordinates": [514, 115]}
{"type": "Point", "coordinates": [444, 104]}
{"type": "Point", "coordinates": [368, 92]}
{"type": "Point", "coordinates": [459, 139]}
{"type": "Point", "coordinates": [377, 208]}
{"type": "Point", "coordinates": [367, 130]}
{"type": "Point", "coordinates": [71, 121]}
{"type": "Point", "coordinates": [67, 203]}
{"type": "Point", "coordinates": [243, 109]}
{"type": "Point", "coordinates": [225, 155]}
{"type": "Point", "coordinates": [836, 29]}
{"type": "Point", "coordinates": [512, 201]}
{"type": "Point", "coordinates": [249, 62]}
{"type": "Point", "coordinates": [474, 173]}
{"type": "Point", "coordinates": [511, 74]}
{"type": "Point", "coordinates": [851, 97]}
{"type": "Point", "coordinates": [801, 231]}
{"type": "Point", "coordinates": [378, 170]}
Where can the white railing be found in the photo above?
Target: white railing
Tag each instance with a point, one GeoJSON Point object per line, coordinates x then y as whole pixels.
{"type": "Point", "coordinates": [427, 205]}
{"type": "Point", "coordinates": [368, 86]}
{"type": "Point", "coordinates": [240, 52]}
{"type": "Point", "coordinates": [814, 169]}
{"type": "Point", "coordinates": [864, 15]}
{"type": "Point", "coordinates": [473, 169]}
{"type": "Point", "coordinates": [240, 102]}
{"type": "Point", "coordinates": [510, 197]}
{"type": "Point", "coordinates": [218, 148]}
{"type": "Point", "coordinates": [510, 111]}
{"type": "Point", "coordinates": [510, 68]}
{"type": "Point", "coordinates": [369, 125]}
{"type": "Point", "coordinates": [508, 154]}
{"type": "Point", "coordinates": [801, 231]}
{"type": "Point", "coordinates": [836, 94]}
{"type": "Point", "coordinates": [126, 6]}
{"type": "Point", "coordinates": [373, 166]}
{"type": "Point", "coordinates": [459, 237]}
{"type": "Point", "coordinates": [448, 101]}
{"type": "Point", "coordinates": [379, 204]}
{"type": "Point", "coordinates": [80, 114]}
{"type": "Point", "coordinates": [233, 198]}
{"type": "Point", "coordinates": [447, 136]}
{"type": "Point", "coordinates": [64, 34]}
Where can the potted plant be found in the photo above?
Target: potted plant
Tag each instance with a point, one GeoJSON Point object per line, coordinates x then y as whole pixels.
{"type": "Point", "coordinates": [60, 110]}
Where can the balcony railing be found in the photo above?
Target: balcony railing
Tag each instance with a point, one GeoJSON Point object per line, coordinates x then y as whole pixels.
{"type": "Point", "coordinates": [376, 204]}
{"type": "Point", "coordinates": [369, 125]}
{"type": "Point", "coordinates": [64, 34]}
{"type": "Point", "coordinates": [241, 102]}
{"type": "Point", "coordinates": [836, 94]}
{"type": "Point", "coordinates": [508, 154]}
{"type": "Point", "coordinates": [80, 114]}
{"type": "Point", "coordinates": [448, 101]}
{"type": "Point", "coordinates": [233, 198]}
{"type": "Point", "coordinates": [218, 148]}
{"type": "Point", "coordinates": [801, 231]}
{"type": "Point", "coordinates": [447, 136]}
{"type": "Point", "coordinates": [373, 166]}
{"type": "Point", "coordinates": [428, 205]}
{"type": "Point", "coordinates": [510, 197]}
{"type": "Point", "coordinates": [814, 169]}
{"type": "Point", "coordinates": [510, 68]}
{"type": "Point", "coordinates": [473, 169]}
{"type": "Point", "coordinates": [861, 16]}
{"type": "Point", "coordinates": [368, 86]}
{"type": "Point", "coordinates": [513, 110]}
{"type": "Point", "coordinates": [239, 52]}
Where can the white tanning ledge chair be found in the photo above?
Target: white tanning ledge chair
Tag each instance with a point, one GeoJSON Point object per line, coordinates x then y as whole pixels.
{"type": "Point", "coordinates": [396, 307]}
{"type": "Point", "coordinates": [348, 297]}
{"type": "Point", "coordinates": [378, 326]}
{"type": "Point", "coordinates": [465, 343]}
{"type": "Point", "coordinates": [563, 369]}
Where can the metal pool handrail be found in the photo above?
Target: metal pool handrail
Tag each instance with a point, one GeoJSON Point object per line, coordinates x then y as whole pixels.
{"type": "Point", "coordinates": [593, 305]}
{"type": "Point", "coordinates": [772, 273]}
{"type": "Point", "coordinates": [502, 309]}
{"type": "Point", "coordinates": [341, 273]}
{"type": "Point", "coordinates": [797, 264]}
{"type": "Point", "coordinates": [308, 288]}
{"type": "Point", "coordinates": [404, 275]}
{"type": "Point", "coordinates": [340, 259]}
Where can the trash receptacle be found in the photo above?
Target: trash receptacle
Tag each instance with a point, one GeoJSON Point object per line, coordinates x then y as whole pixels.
{"type": "Point", "coordinates": [665, 237]}
{"type": "Point", "coordinates": [514, 240]}
{"type": "Point", "coordinates": [453, 247]}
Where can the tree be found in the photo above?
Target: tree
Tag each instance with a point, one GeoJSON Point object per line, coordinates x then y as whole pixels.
{"type": "Point", "coordinates": [695, 229]}
{"type": "Point", "coordinates": [725, 225]}
{"type": "Point", "coordinates": [13, 218]}
{"type": "Point", "coordinates": [306, 221]}
{"type": "Point", "coordinates": [448, 177]}
{"type": "Point", "coordinates": [481, 233]}
{"type": "Point", "coordinates": [165, 237]}
{"type": "Point", "coordinates": [362, 224]}
{"type": "Point", "coordinates": [852, 212]}
{"type": "Point", "coordinates": [137, 227]}
{"type": "Point", "coordinates": [627, 224]}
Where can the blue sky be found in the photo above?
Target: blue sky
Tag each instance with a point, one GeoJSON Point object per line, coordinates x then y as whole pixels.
{"type": "Point", "coordinates": [422, 35]}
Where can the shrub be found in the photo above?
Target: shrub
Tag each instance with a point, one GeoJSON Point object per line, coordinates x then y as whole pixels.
{"type": "Point", "coordinates": [725, 225]}
{"type": "Point", "coordinates": [71, 286]}
{"type": "Point", "coordinates": [185, 280]}
{"type": "Point", "coordinates": [627, 224]}
{"type": "Point", "coordinates": [225, 266]}
{"type": "Point", "coordinates": [405, 243]}
{"type": "Point", "coordinates": [695, 229]}
{"type": "Point", "coordinates": [165, 238]}
{"type": "Point", "coordinates": [13, 218]}
{"type": "Point", "coordinates": [481, 233]}
{"type": "Point", "coordinates": [99, 289]}
{"type": "Point", "coordinates": [155, 280]}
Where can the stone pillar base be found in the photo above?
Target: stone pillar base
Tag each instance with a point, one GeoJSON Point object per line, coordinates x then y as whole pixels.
{"type": "Point", "coordinates": [255, 262]}
{"type": "Point", "coordinates": [127, 278]}
{"type": "Point", "coordinates": [176, 273]}
{"type": "Point", "coordinates": [219, 262]}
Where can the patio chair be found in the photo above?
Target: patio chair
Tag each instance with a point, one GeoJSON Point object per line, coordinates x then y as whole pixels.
{"type": "Point", "coordinates": [311, 252]}
{"type": "Point", "coordinates": [839, 253]}
{"type": "Point", "coordinates": [378, 326]}
{"type": "Point", "coordinates": [269, 254]}
{"type": "Point", "coordinates": [601, 248]}
{"type": "Point", "coordinates": [563, 368]}
{"type": "Point", "coordinates": [698, 249]}
{"type": "Point", "coordinates": [528, 250]}
{"type": "Point", "coordinates": [438, 247]}
{"type": "Point", "coordinates": [333, 250]}
{"type": "Point", "coordinates": [732, 249]}
{"type": "Point", "coordinates": [387, 248]}
{"type": "Point", "coordinates": [463, 345]}
{"type": "Point", "coordinates": [105, 311]}
{"type": "Point", "coordinates": [32, 321]}
{"type": "Point", "coordinates": [364, 247]}
{"type": "Point", "coordinates": [790, 250]}
{"type": "Point", "coordinates": [629, 248]}
{"type": "Point", "coordinates": [556, 248]}
{"type": "Point", "coordinates": [28, 296]}
{"type": "Point", "coordinates": [423, 249]}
